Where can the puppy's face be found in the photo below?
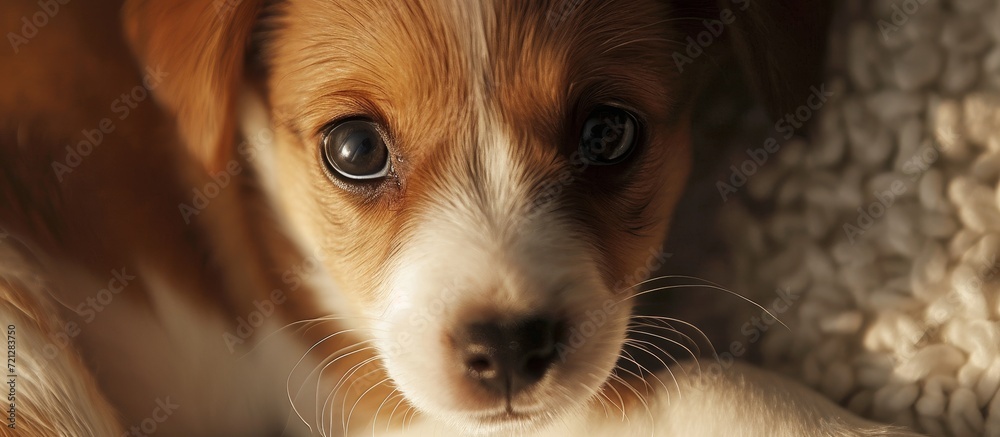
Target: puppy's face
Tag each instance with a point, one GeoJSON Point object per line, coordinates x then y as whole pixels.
{"type": "Point", "coordinates": [483, 176]}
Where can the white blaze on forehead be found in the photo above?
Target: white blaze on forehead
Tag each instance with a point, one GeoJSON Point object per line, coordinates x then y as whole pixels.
{"type": "Point", "coordinates": [479, 234]}
{"type": "Point", "coordinates": [474, 21]}
{"type": "Point", "coordinates": [502, 178]}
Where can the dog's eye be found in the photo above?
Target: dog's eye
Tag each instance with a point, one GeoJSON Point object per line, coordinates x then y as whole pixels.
{"type": "Point", "coordinates": [355, 149]}
{"type": "Point", "coordinates": [609, 135]}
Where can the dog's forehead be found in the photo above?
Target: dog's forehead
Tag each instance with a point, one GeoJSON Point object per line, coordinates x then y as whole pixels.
{"type": "Point", "coordinates": [529, 61]}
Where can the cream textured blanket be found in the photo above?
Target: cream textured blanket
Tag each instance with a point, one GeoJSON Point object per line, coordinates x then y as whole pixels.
{"type": "Point", "coordinates": [884, 225]}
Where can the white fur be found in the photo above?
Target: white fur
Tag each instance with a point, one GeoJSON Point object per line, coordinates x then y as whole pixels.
{"type": "Point", "coordinates": [740, 401]}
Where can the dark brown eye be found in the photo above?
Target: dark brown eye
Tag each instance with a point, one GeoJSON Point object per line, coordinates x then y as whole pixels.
{"type": "Point", "coordinates": [355, 149]}
{"type": "Point", "coordinates": [609, 135]}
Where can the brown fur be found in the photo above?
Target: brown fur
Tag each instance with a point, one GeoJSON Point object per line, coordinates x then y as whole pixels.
{"type": "Point", "coordinates": [314, 62]}
{"type": "Point", "coordinates": [45, 384]}
{"type": "Point", "coordinates": [118, 208]}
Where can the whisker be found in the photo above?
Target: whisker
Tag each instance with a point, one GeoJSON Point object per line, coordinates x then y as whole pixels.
{"type": "Point", "coordinates": [322, 409]}
{"type": "Point", "coordinates": [402, 400]}
{"type": "Point", "coordinates": [348, 376]}
{"type": "Point", "coordinates": [379, 409]}
{"type": "Point", "coordinates": [315, 320]}
{"type": "Point", "coordinates": [648, 386]}
{"type": "Point", "coordinates": [347, 424]}
{"type": "Point", "coordinates": [412, 412]}
{"type": "Point", "coordinates": [288, 380]}
{"type": "Point", "coordinates": [599, 398]}
{"type": "Point", "coordinates": [329, 361]}
{"type": "Point", "coordinates": [661, 277]}
{"type": "Point", "coordinates": [634, 392]}
{"type": "Point", "coordinates": [638, 344]}
{"type": "Point", "coordinates": [628, 357]}
{"type": "Point", "coordinates": [620, 398]}
{"type": "Point", "coordinates": [667, 339]}
{"type": "Point", "coordinates": [343, 379]}
{"type": "Point", "coordinates": [658, 322]}
{"type": "Point", "coordinates": [645, 405]}
{"type": "Point", "coordinates": [710, 287]}
{"type": "Point", "coordinates": [665, 367]}
{"type": "Point", "coordinates": [275, 332]}
{"type": "Point", "coordinates": [605, 386]}
{"type": "Point", "coordinates": [690, 325]}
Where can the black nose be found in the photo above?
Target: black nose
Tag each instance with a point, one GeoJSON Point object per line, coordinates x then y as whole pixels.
{"type": "Point", "coordinates": [508, 357]}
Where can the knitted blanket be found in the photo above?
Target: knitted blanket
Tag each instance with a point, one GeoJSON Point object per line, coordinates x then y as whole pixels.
{"type": "Point", "coordinates": [877, 238]}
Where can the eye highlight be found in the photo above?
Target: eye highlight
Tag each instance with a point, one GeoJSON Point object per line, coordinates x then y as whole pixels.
{"type": "Point", "coordinates": [609, 136]}
{"type": "Point", "coordinates": [355, 149]}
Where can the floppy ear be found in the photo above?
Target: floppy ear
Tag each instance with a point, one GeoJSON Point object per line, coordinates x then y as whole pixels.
{"type": "Point", "coordinates": [201, 46]}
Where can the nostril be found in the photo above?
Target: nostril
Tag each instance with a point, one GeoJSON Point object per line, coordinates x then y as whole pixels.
{"type": "Point", "coordinates": [538, 358]}
{"type": "Point", "coordinates": [480, 366]}
{"type": "Point", "coordinates": [508, 356]}
{"type": "Point", "coordinates": [537, 364]}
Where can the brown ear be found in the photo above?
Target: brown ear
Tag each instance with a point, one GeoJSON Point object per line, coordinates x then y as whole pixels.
{"type": "Point", "coordinates": [201, 46]}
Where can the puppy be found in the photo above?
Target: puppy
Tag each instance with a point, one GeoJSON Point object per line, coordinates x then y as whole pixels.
{"type": "Point", "coordinates": [407, 219]}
